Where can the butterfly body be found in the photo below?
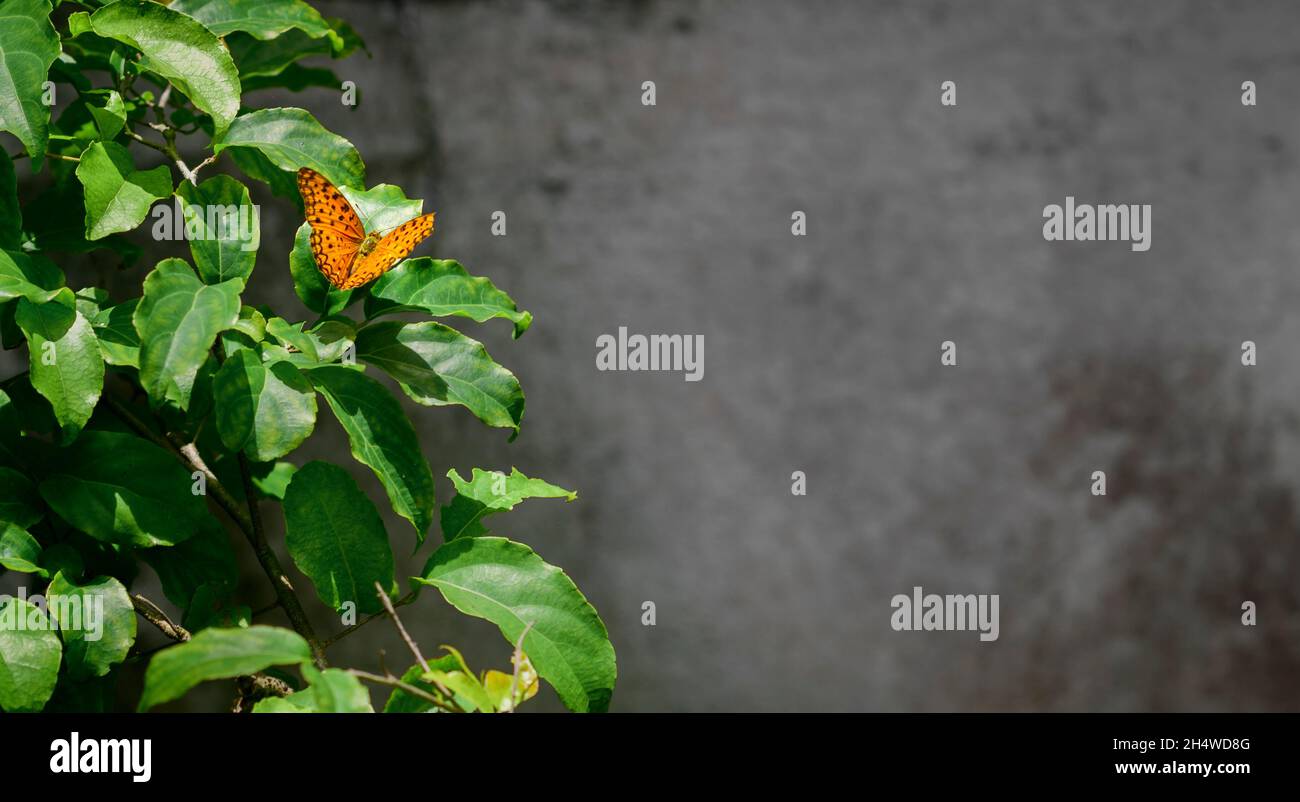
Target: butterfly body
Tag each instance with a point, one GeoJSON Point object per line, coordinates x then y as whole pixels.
{"type": "Point", "coordinates": [345, 252]}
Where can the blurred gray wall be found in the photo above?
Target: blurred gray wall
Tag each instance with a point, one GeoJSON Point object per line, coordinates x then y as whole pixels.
{"type": "Point", "coordinates": [822, 352]}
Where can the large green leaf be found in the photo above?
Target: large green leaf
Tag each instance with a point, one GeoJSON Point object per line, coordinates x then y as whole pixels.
{"type": "Point", "coordinates": [178, 48]}
{"type": "Point", "coordinates": [120, 488]}
{"type": "Point", "coordinates": [117, 195]}
{"type": "Point", "coordinates": [508, 584]}
{"type": "Point", "coordinates": [219, 653]}
{"type": "Point", "coordinates": [29, 657]}
{"type": "Point", "coordinates": [267, 410]}
{"type": "Point", "coordinates": [264, 19]}
{"type": "Point", "coordinates": [291, 138]}
{"type": "Point", "coordinates": [490, 492]}
{"type": "Point", "coordinates": [65, 362]}
{"type": "Point", "coordinates": [437, 365]}
{"type": "Point", "coordinates": [382, 438]}
{"type": "Point", "coordinates": [19, 501]}
{"type": "Point", "coordinates": [97, 621]}
{"type": "Point", "coordinates": [336, 537]}
{"type": "Point", "coordinates": [441, 287]}
{"type": "Point", "coordinates": [22, 276]}
{"type": "Point", "coordinates": [226, 232]}
{"type": "Point", "coordinates": [178, 320]}
{"type": "Point", "coordinates": [28, 46]}
{"type": "Point", "coordinates": [19, 551]}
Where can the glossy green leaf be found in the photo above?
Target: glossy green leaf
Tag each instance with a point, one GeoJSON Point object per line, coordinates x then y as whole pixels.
{"type": "Point", "coordinates": [66, 366]}
{"type": "Point", "coordinates": [336, 537]}
{"type": "Point", "coordinates": [442, 288]}
{"type": "Point", "coordinates": [97, 622]}
{"type": "Point", "coordinates": [28, 46]}
{"type": "Point", "coordinates": [382, 438]}
{"type": "Point", "coordinates": [178, 48]}
{"type": "Point", "coordinates": [263, 19]}
{"type": "Point", "coordinates": [219, 653]}
{"type": "Point", "coordinates": [437, 365]}
{"type": "Point", "coordinates": [120, 488]}
{"type": "Point", "coordinates": [267, 410]}
{"type": "Point", "coordinates": [222, 227]}
{"type": "Point", "coordinates": [19, 551]}
{"type": "Point", "coordinates": [119, 342]}
{"type": "Point", "coordinates": [291, 334]}
{"type": "Point", "coordinates": [508, 584]}
{"type": "Point", "coordinates": [29, 657]}
{"type": "Point", "coordinates": [178, 321]}
{"type": "Point", "coordinates": [291, 138]}
{"type": "Point", "coordinates": [110, 118]}
{"type": "Point", "coordinates": [22, 276]}
{"type": "Point", "coordinates": [490, 492]}
{"type": "Point", "coordinates": [118, 196]}
{"type": "Point", "coordinates": [330, 691]}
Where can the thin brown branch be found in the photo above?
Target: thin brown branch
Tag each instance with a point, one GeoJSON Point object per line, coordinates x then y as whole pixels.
{"type": "Point", "coordinates": [406, 636]}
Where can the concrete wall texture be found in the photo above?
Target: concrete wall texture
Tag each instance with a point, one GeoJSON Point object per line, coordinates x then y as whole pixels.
{"type": "Point", "coordinates": [822, 352]}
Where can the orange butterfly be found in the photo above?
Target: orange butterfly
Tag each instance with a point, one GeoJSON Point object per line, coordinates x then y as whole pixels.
{"type": "Point", "coordinates": [345, 253]}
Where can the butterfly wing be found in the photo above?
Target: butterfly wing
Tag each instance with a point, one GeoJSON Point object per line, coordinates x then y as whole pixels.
{"type": "Point", "coordinates": [393, 248]}
{"type": "Point", "coordinates": [336, 230]}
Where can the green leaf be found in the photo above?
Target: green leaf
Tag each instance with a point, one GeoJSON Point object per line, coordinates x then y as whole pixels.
{"type": "Point", "coordinates": [315, 291]}
{"type": "Point", "coordinates": [56, 221]}
{"type": "Point", "coordinates": [29, 657]}
{"type": "Point", "coordinates": [11, 218]}
{"type": "Point", "coordinates": [263, 19]}
{"type": "Point", "coordinates": [117, 195]}
{"type": "Point", "coordinates": [123, 489]}
{"type": "Point", "coordinates": [441, 287]}
{"type": "Point", "coordinates": [490, 492]}
{"type": "Point", "coordinates": [28, 46]}
{"type": "Point", "coordinates": [382, 438]}
{"type": "Point", "coordinates": [21, 276]}
{"type": "Point", "coordinates": [336, 537]}
{"type": "Point", "coordinates": [336, 691]}
{"type": "Point", "coordinates": [119, 342]}
{"type": "Point", "coordinates": [508, 584]}
{"type": "Point", "coordinates": [19, 501]}
{"type": "Point", "coordinates": [272, 479]}
{"type": "Point", "coordinates": [178, 320]}
{"type": "Point", "coordinates": [110, 118]}
{"type": "Point", "coordinates": [258, 167]}
{"type": "Point", "coordinates": [266, 410]}
{"type": "Point", "coordinates": [219, 653]}
{"type": "Point", "coordinates": [226, 233]}
{"type": "Point", "coordinates": [65, 363]}
{"type": "Point", "coordinates": [178, 48]}
{"type": "Point", "coordinates": [437, 365]}
{"type": "Point", "coordinates": [292, 334]}
{"type": "Point", "coordinates": [399, 701]}
{"type": "Point", "coordinates": [291, 138]}
{"type": "Point", "coordinates": [97, 621]}
{"type": "Point", "coordinates": [19, 551]}
{"type": "Point", "coordinates": [204, 560]}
